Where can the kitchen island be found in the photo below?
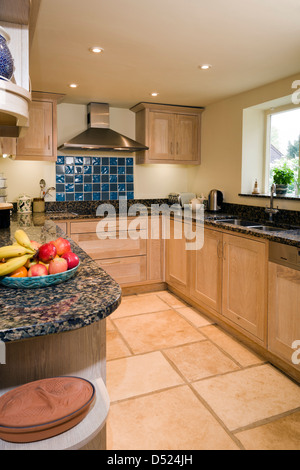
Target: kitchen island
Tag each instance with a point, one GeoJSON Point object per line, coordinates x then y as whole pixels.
{"type": "Point", "coordinates": [59, 331]}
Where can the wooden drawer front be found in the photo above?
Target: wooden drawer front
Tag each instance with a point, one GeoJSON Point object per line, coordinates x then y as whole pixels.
{"type": "Point", "coordinates": [62, 226]}
{"type": "Point", "coordinates": [109, 248]}
{"type": "Point", "coordinates": [126, 270]}
{"type": "Point", "coordinates": [135, 224]}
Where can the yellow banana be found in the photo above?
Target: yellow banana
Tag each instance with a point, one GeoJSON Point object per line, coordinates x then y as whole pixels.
{"type": "Point", "coordinates": [12, 251]}
{"type": "Point", "coordinates": [13, 264]}
{"type": "Point", "coordinates": [23, 239]}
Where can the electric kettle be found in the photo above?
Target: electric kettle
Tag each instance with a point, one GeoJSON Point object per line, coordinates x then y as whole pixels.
{"type": "Point", "coordinates": [215, 200]}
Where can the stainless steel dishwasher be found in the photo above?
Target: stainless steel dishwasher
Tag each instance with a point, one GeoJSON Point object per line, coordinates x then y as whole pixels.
{"type": "Point", "coordinates": [285, 255]}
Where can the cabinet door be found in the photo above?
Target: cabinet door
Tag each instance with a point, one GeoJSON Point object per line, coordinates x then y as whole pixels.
{"type": "Point", "coordinates": [206, 272]}
{"type": "Point", "coordinates": [284, 312]}
{"type": "Point", "coordinates": [161, 136]}
{"type": "Point", "coordinates": [187, 130]}
{"type": "Point", "coordinates": [38, 139]}
{"type": "Point", "coordinates": [245, 283]}
{"type": "Point", "coordinates": [177, 258]}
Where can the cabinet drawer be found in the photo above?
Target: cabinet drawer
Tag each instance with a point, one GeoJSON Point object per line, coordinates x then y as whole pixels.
{"type": "Point", "coordinates": [126, 270]}
{"type": "Point", "coordinates": [110, 226]}
{"type": "Point", "coordinates": [110, 248]}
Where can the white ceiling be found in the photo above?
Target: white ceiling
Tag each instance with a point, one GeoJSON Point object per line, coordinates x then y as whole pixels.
{"type": "Point", "coordinates": [158, 45]}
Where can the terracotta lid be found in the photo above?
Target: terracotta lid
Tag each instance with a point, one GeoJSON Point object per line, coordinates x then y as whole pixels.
{"type": "Point", "coordinates": [45, 408]}
{"type": "Point", "coordinates": [5, 205]}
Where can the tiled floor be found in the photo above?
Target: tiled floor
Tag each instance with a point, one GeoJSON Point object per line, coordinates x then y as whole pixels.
{"type": "Point", "coordinates": [178, 382]}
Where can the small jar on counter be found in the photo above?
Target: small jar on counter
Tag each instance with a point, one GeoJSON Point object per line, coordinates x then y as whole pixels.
{"type": "Point", "coordinates": [38, 205]}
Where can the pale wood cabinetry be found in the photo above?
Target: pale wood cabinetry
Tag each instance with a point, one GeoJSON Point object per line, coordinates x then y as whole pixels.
{"type": "Point", "coordinates": [245, 283]}
{"type": "Point", "coordinates": [172, 133]}
{"type": "Point", "coordinates": [125, 252]}
{"type": "Point", "coordinates": [284, 312]}
{"type": "Point", "coordinates": [177, 261]}
{"type": "Point", "coordinates": [206, 271]}
{"type": "Point", "coordinates": [40, 140]}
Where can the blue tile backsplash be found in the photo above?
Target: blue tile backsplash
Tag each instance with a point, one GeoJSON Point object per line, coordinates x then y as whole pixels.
{"type": "Point", "coordinates": [94, 178]}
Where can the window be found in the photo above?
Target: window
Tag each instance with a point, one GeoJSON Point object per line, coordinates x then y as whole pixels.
{"type": "Point", "coordinates": [283, 138]}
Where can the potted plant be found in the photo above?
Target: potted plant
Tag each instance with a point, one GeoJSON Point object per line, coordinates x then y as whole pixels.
{"type": "Point", "coordinates": [282, 177]}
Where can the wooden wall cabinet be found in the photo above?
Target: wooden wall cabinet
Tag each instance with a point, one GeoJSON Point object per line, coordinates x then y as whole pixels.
{"type": "Point", "coordinates": [172, 133]}
{"type": "Point", "coordinates": [40, 140]}
{"type": "Point", "coordinates": [284, 312]}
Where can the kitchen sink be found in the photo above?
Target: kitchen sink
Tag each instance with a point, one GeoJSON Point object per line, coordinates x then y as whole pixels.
{"type": "Point", "coordinates": [243, 223]}
{"type": "Point", "coordinates": [250, 224]}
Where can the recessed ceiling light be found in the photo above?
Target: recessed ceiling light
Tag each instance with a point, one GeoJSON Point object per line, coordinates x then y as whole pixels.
{"type": "Point", "coordinates": [154, 94]}
{"type": "Point", "coordinates": [205, 66]}
{"type": "Point", "coordinates": [73, 85]}
{"type": "Point", "coordinates": [96, 50]}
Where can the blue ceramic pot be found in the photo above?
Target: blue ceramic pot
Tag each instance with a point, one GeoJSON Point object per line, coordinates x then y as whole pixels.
{"type": "Point", "coordinates": [6, 60]}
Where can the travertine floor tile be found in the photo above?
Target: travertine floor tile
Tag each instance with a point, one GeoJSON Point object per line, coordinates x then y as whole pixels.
{"type": "Point", "coordinates": [115, 347]}
{"type": "Point", "coordinates": [138, 304]}
{"type": "Point", "coordinates": [282, 434]}
{"type": "Point", "coordinates": [138, 375]}
{"type": "Point", "coordinates": [173, 419]}
{"type": "Point", "coordinates": [150, 332]}
{"type": "Point", "coordinates": [171, 299]}
{"type": "Point", "coordinates": [198, 360]}
{"type": "Point", "coordinates": [250, 395]}
{"type": "Point", "coordinates": [238, 351]}
{"type": "Point", "coordinates": [195, 317]}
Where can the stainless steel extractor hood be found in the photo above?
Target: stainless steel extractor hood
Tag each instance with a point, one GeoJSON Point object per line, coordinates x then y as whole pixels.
{"type": "Point", "coordinates": [99, 136]}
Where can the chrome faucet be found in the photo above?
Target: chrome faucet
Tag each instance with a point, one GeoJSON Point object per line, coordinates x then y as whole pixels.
{"type": "Point", "coordinates": [270, 210]}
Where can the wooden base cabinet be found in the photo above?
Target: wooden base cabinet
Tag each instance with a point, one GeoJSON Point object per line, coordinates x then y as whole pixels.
{"type": "Point", "coordinates": [245, 284]}
{"type": "Point", "coordinates": [206, 271]}
{"type": "Point", "coordinates": [177, 268]}
{"type": "Point", "coordinates": [284, 314]}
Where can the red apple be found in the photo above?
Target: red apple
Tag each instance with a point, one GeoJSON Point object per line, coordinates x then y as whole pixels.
{"type": "Point", "coordinates": [37, 270]}
{"type": "Point", "coordinates": [47, 252]}
{"type": "Point", "coordinates": [58, 265]}
{"type": "Point", "coordinates": [72, 259]}
{"type": "Point", "coordinates": [62, 246]}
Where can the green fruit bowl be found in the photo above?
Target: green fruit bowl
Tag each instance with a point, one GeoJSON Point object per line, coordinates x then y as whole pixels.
{"type": "Point", "coordinates": [37, 282]}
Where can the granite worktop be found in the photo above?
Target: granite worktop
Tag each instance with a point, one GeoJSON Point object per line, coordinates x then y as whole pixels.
{"type": "Point", "coordinates": [91, 295]}
{"type": "Point", "coordinates": [291, 236]}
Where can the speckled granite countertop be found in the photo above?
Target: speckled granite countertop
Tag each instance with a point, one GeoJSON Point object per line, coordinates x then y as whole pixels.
{"type": "Point", "coordinates": [90, 296]}
{"type": "Point", "coordinates": [290, 237]}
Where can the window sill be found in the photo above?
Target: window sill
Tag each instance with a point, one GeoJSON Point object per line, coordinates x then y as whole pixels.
{"type": "Point", "coordinates": [288, 198]}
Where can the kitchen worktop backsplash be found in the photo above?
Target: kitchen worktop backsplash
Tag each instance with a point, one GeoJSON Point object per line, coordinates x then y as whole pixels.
{"type": "Point", "coordinates": [94, 178]}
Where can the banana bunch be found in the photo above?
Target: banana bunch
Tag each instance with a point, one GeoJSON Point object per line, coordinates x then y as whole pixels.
{"type": "Point", "coordinates": [15, 256]}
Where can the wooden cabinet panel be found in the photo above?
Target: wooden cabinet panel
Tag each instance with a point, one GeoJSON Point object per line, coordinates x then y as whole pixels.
{"type": "Point", "coordinates": [162, 136]}
{"type": "Point", "coordinates": [245, 283]}
{"type": "Point", "coordinates": [206, 271]}
{"type": "Point", "coordinates": [38, 139]}
{"type": "Point", "coordinates": [283, 311]}
{"type": "Point", "coordinates": [155, 251]}
{"type": "Point", "coordinates": [177, 258]}
{"type": "Point", "coordinates": [126, 270]}
{"type": "Point", "coordinates": [110, 248]}
{"type": "Point", "coordinates": [187, 137]}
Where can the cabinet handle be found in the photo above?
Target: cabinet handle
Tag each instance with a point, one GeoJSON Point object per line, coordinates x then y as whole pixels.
{"type": "Point", "coordinates": [108, 263]}
{"type": "Point", "coordinates": [49, 143]}
{"type": "Point", "coordinates": [224, 251]}
{"type": "Point", "coordinates": [171, 148]}
{"type": "Point", "coordinates": [177, 148]}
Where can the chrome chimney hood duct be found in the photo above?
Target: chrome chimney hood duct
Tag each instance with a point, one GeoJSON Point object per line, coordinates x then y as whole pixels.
{"type": "Point", "coordinates": [99, 136]}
